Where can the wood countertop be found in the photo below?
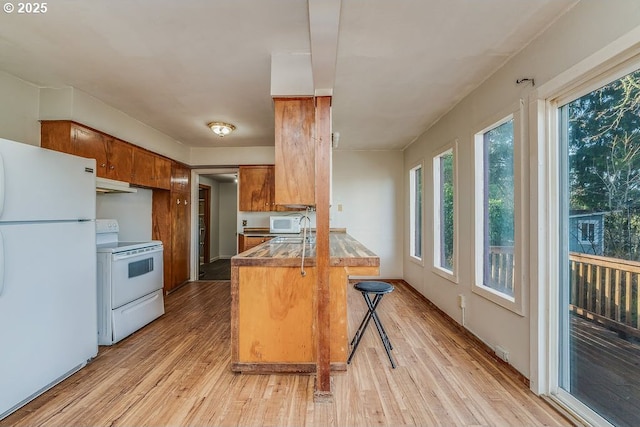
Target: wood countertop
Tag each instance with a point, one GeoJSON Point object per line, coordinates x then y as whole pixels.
{"type": "Point", "coordinates": [344, 251]}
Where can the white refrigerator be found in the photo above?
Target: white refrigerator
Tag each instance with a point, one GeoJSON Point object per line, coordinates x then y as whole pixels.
{"type": "Point", "coordinates": [48, 320]}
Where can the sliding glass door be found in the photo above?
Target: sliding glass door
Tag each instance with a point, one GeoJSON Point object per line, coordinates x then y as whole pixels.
{"type": "Point", "coordinates": [599, 360]}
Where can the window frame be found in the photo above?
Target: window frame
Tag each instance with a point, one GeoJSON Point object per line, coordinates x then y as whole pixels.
{"type": "Point", "coordinates": [412, 212]}
{"type": "Point", "coordinates": [516, 302]}
{"type": "Point", "coordinates": [451, 275]}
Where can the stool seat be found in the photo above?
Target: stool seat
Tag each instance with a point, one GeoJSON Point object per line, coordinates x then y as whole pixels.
{"type": "Point", "coordinates": [378, 289]}
{"type": "Point", "coordinates": [374, 287]}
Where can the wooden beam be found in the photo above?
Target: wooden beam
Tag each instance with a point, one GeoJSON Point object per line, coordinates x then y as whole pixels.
{"type": "Point", "coordinates": [323, 183]}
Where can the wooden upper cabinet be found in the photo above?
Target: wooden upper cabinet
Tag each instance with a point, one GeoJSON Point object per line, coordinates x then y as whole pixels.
{"type": "Point", "coordinates": [151, 170]}
{"type": "Point", "coordinates": [294, 151]}
{"type": "Point", "coordinates": [119, 159]}
{"type": "Point", "coordinates": [180, 177]}
{"type": "Point", "coordinates": [91, 144]}
{"type": "Point", "coordinates": [256, 188]}
{"type": "Point", "coordinates": [143, 168]}
{"type": "Point", "coordinates": [162, 167]}
{"type": "Point", "coordinates": [114, 158]}
{"type": "Point", "coordinates": [56, 135]}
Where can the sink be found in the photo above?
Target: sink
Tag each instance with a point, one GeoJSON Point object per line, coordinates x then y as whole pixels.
{"type": "Point", "coordinates": [293, 239]}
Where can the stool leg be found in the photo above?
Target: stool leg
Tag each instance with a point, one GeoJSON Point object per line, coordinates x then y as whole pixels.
{"type": "Point", "coordinates": [384, 338]}
{"type": "Point", "coordinates": [363, 326]}
{"type": "Point", "coordinates": [381, 331]}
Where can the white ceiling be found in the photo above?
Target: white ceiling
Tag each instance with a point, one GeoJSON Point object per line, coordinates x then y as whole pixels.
{"type": "Point", "coordinates": [177, 65]}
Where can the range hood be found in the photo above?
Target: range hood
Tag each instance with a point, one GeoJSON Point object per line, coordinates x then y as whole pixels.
{"type": "Point", "coordinates": [104, 185]}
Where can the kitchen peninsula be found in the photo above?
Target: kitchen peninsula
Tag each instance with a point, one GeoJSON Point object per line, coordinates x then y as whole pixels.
{"type": "Point", "coordinates": [273, 300]}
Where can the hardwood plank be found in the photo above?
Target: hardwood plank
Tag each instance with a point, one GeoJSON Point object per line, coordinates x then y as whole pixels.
{"type": "Point", "coordinates": [176, 371]}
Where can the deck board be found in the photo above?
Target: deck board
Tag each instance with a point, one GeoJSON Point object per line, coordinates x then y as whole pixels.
{"type": "Point", "coordinates": [606, 371]}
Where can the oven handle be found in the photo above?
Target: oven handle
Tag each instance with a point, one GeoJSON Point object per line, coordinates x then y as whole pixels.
{"type": "Point", "coordinates": [119, 257]}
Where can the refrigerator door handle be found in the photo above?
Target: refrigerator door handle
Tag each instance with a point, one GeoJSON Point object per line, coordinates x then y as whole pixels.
{"type": "Point", "coordinates": [1, 263]}
{"type": "Point", "coordinates": [2, 179]}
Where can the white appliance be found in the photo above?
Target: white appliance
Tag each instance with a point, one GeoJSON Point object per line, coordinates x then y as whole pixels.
{"type": "Point", "coordinates": [47, 270]}
{"type": "Point", "coordinates": [130, 281]}
{"type": "Point", "coordinates": [284, 224]}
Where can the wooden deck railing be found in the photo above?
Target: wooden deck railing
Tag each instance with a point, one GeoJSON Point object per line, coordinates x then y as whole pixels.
{"type": "Point", "coordinates": [606, 290]}
{"type": "Point", "coordinates": [501, 271]}
{"type": "Point", "coordinates": [603, 289]}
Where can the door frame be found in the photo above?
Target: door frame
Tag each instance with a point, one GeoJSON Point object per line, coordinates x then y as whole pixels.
{"type": "Point", "coordinates": [206, 190]}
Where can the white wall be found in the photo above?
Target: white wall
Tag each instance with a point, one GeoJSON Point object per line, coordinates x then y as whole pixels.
{"type": "Point", "coordinates": [132, 210]}
{"type": "Point", "coordinates": [367, 186]}
{"type": "Point", "coordinates": [228, 202]}
{"type": "Point", "coordinates": [586, 28]}
{"type": "Point", "coordinates": [73, 104]}
{"type": "Point", "coordinates": [232, 156]}
{"type": "Point", "coordinates": [19, 102]}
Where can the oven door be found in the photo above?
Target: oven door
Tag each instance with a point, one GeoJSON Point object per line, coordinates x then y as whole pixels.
{"type": "Point", "coordinates": [135, 275]}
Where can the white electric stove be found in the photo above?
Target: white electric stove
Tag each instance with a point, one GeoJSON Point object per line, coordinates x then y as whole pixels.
{"type": "Point", "coordinates": [130, 282]}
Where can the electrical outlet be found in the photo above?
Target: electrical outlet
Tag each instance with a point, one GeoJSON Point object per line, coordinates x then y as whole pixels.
{"type": "Point", "coordinates": [244, 222]}
{"type": "Point", "coordinates": [461, 301]}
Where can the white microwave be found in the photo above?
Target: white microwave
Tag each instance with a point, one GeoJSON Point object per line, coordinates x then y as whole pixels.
{"type": "Point", "coordinates": [284, 224]}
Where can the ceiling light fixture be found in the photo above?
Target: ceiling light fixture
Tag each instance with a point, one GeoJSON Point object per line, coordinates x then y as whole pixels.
{"type": "Point", "coordinates": [221, 129]}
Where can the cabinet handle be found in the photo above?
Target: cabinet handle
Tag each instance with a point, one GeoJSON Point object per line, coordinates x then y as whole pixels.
{"type": "Point", "coordinates": [178, 201]}
{"type": "Point", "coordinates": [112, 167]}
{"type": "Point", "coordinates": [186, 202]}
{"type": "Point", "coordinates": [103, 165]}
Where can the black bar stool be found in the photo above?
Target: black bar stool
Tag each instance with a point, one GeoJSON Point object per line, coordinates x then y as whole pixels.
{"type": "Point", "coordinates": [379, 289]}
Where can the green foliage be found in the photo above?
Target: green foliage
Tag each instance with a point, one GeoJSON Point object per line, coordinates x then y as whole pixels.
{"type": "Point", "coordinates": [603, 133]}
{"type": "Point", "coordinates": [501, 202]}
{"type": "Point", "coordinates": [446, 197]}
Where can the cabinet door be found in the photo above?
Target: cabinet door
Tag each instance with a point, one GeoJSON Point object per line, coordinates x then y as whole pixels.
{"type": "Point", "coordinates": [249, 242]}
{"type": "Point", "coordinates": [151, 170]}
{"type": "Point", "coordinates": [119, 159]}
{"type": "Point", "coordinates": [294, 151]}
{"type": "Point", "coordinates": [91, 144]}
{"type": "Point", "coordinates": [143, 168]}
{"type": "Point", "coordinates": [180, 238]}
{"type": "Point", "coordinates": [162, 174]}
{"type": "Point", "coordinates": [256, 188]}
{"type": "Point", "coordinates": [56, 135]}
{"type": "Point", "coordinates": [180, 177]}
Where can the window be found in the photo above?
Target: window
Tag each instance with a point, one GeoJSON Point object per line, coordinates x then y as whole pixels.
{"type": "Point", "coordinates": [444, 213]}
{"type": "Point", "coordinates": [415, 188]}
{"type": "Point", "coordinates": [496, 152]}
{"type": "Point", "coordinates": [586, 231]}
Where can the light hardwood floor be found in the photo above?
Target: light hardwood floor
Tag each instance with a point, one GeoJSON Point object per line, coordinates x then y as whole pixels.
{"type": "Point", "coordinates": [176, 372]}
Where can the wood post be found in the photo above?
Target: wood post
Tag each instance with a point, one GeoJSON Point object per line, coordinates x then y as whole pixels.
{"type": "Point", "coordinates": [323, 183]}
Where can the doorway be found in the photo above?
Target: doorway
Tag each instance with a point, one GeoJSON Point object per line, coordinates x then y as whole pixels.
{"type": "Point", "coordinates": [219, 233]}
{"type": "Point", "coordinates": [599, 310]}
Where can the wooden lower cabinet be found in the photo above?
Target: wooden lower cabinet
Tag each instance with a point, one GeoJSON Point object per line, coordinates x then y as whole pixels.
{"type": "Point", "coordinates": [272, 319]}
{"type": "Point", "coordinates": [247, 242]}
